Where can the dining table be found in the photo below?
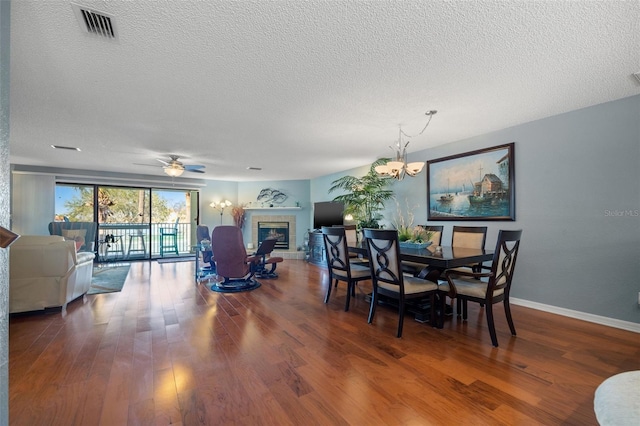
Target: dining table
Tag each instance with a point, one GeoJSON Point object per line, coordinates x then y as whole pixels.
{"type": "Point", "coordinates": [436, 260]}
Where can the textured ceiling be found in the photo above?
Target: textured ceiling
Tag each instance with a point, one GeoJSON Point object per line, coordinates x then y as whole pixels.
{"type": "Point", "coordinates": [301, 88]}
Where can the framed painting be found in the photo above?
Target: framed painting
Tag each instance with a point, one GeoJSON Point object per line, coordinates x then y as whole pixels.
{"type": "Point", "coordinates": [475, 185]}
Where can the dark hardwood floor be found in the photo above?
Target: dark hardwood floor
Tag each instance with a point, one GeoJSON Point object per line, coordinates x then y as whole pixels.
{"type": "Point", "coordinates": [166, 351]}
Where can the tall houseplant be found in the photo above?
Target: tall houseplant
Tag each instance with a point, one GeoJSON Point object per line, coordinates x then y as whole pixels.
{"type": "Point", "coordinates": [365, 196]}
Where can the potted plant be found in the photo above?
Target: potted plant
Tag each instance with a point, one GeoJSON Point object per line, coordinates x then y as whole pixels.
{"type": "Point", "coordinates": [365, 196]}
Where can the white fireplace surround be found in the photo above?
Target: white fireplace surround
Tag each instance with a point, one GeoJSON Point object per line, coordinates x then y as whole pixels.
{"type": "Point", "coordinates": [293, 252]}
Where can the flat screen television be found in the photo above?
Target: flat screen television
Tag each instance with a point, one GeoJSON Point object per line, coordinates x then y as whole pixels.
{"type": "Point", "coordinates": [328, 213]}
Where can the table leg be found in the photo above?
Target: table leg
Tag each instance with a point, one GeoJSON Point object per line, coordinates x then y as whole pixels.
{"type": "Point", "coordinates": [438, 311]}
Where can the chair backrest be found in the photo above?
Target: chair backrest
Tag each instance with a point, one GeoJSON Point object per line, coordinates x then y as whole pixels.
{"type": "Point", "coordinates": [384, 256]}
{"type": "Point", "coordinates": [266, 247]}
{"type": "Point", "coordinates": [229, 252]}
{"type": "Point", "coordinates": [202, 233]}
{"type": "Point", "coordinates": [335, 244]}
{"type": "Point", "coordinates": [350, 232]}
{"type": "Point", "coordinates": [74, 230]}
{"type": "Point", "coordinates": [469, 236]}
{"type": "Point", "coordinates": [504, 260]}
{"type": "Point", "coordinates": [436, 233]}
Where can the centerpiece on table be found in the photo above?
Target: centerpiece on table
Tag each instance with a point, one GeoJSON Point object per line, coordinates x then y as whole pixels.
{"type": "Point", "coordinates": [411, 236]}
{"type": "Point", "coordinates": [414, 237]}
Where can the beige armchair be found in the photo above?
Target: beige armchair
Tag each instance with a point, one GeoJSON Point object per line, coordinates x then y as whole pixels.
{"type": "Point", "coordinates": [46, 272]}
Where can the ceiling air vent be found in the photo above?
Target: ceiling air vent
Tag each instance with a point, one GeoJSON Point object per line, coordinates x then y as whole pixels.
{"type": "Point", "coordinates": [95, 23]}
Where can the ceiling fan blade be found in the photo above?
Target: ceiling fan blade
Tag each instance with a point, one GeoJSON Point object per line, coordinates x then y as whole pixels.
{"type": "Point", "coordinates": [193, 167]}
{"type": "Point", "coordinates": [166, 163]}
{"type": "Point", "coordinates": [147, 165]}
{"type": "Point", "coordinates": [194, 170]}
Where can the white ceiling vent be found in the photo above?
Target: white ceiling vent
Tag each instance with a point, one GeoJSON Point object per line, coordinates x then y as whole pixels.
{"type": "Point", "coordinates": [95, 23]}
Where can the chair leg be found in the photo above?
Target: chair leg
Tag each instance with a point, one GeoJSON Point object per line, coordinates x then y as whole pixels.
{"type": "Point", "coordinates": [507, 311]}
{"type": "Point", "coordinates": [459, 306]}
{"type": "Point", "coordinates": [326, 297]}
{"type": "Point", "coordinates": [401, 319]}
{"type": "Point", "coordinates": [372, 308]}
{"type": "Point", "coordinates": [346, 305]}
{"type": "Point", "coordinates": [464, 309]}
{"type": "Point", "coordinates": [491, 324]}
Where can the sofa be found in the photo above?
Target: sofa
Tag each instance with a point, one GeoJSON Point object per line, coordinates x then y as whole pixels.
{"type": "Point", "coordinates": [47, 272]}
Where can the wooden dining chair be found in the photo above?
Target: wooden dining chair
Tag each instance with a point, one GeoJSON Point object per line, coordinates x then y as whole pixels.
{"type": "Point", "coordinates": [469, 237]}
{"type": "Point", "coordinates": [436, 233]}
{"type": "Point", "coordinates": [487, 288]}
{"type": "Point", "coordinates": [339, 265]}
{"type": "Point", "coordinates": [388, 278]}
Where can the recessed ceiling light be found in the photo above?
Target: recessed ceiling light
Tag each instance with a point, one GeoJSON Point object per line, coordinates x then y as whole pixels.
{"type": "Point", "coordinates": [68, 148]}
{"type": "Point", "coordinates": [254, 168]}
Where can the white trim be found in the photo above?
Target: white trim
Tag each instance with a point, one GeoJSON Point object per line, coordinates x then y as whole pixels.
{"type": "Point", "coordinates": [128, 180]}
{"type": "Point", "coordinates": [610, 322]}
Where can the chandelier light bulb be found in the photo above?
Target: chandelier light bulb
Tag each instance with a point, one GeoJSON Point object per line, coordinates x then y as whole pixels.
{"type": "Point", "coordinates": [399, 167]}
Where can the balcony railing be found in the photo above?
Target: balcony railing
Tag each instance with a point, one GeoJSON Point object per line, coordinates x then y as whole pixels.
{"type": "Point", "coordinates": [131, 236]}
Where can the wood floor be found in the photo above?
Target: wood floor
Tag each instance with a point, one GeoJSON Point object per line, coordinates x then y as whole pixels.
{"type": "Point", "coordinates": [165, 351]}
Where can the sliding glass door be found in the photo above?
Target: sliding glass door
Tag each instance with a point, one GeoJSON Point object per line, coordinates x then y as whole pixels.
{"type": "Point", "coordinates": [133, 222]}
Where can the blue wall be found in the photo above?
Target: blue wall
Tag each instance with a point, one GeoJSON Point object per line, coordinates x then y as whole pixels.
{"type": "Point", "coordinates": [577, 200]}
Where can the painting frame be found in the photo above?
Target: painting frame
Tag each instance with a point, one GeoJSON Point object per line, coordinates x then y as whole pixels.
{"type": "Point", "coordinates": [473, 186]}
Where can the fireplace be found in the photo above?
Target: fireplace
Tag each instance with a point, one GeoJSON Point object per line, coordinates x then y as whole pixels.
{"type": "Point", "coordinates": [277, 230]}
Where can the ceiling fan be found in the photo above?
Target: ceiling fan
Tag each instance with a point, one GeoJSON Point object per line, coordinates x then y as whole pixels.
{"type": "Point", "coordinates": [175, 168]}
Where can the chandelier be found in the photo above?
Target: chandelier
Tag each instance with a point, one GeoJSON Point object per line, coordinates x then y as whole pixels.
{"type": "Point", "coordinates": [399, 167]}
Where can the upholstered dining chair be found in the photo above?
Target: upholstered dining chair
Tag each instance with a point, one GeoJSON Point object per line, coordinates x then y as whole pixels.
{"type": "Point", "coordinates": [487, 288]}
{"type": "Point", "coordinates": [469, 237]}
{"type": "Point", "coordinates": [232, 262]}
{"type": "Point", "coordinates": [351, 234]}
{"type": "Point", "coordinates": [388, 278]}
{"type": "Point", "coordinates": [338, 263]}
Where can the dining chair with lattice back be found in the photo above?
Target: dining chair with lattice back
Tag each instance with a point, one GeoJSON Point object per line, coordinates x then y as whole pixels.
{"type": "Point", "coordinates": [338, 263]}
{"type": "Point", "coordinates": [487, 288]}
{"type": "Point", "coordinates": [468, 237]}
{"type": "Point", "coordinates": [388, 278]}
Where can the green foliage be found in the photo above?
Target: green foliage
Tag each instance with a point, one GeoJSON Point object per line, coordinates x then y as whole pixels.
{"type": "Point", "coordinates": [364, 197]}
{"type": "Point", "coordinates": [415, 234]}
{"type": "Point", "coordinates": [120, 205]}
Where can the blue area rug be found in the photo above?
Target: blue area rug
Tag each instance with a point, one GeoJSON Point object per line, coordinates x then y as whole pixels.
{"type": "Point", "coordinates": [108, 279]}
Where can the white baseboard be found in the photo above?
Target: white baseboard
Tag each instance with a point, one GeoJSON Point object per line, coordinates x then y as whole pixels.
{"type": "Point", "coordinates": [611, 322]}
